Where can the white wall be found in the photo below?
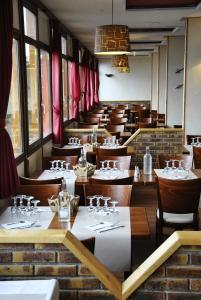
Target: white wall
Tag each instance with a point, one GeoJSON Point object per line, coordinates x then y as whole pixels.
{"type": "Point", "coordinates": [154, 90]}
{"type": "Point", "coordinates": [135, 85]}
{"type": "Point", "coordinates": [193, 78]}
{"type": "Point", "coordinates": [162, 79]}
{"type": "Point", "coordinates": [175, 96]}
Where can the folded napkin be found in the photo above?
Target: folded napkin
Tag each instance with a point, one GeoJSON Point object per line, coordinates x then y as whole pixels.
{"type": "Point", "coordinates": [17, 225]}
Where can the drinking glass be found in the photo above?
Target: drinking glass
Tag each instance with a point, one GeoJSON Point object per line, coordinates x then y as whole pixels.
{"type": "Point", "coordinates": [114, 209]}
{"type": "Point", "coordinates": [14, 210]}
{"type": "Point", "coordinates": [36, 212]}
{"type": "Point", "coordinates": [197, 141]}
{"type": "Point", "coordinates": [91, 206]}
{"type": "Point", "coordinates": [193, 143]}
{"type": "Point", "coordinates": [98, 198]}
{"type": "Point", "coordinates": [105, 206]}
{"type": "Point", "coordinates": [167, 167]}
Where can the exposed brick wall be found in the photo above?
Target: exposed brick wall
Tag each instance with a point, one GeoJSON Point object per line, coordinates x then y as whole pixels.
{"type": "Point", "coordinates": [179, 278]}
{"type": "Point", "coordinates": [164, 141]}
{"type": "Point", "coordinates": [43, 261]}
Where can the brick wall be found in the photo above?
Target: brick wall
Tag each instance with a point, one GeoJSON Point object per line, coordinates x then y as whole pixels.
{"type": "Point", "coordinates": [44, 261]}
{"type": "Point", "coordinates": [177, 279]}
{"type": "Point", "coordinates": [161, 141]}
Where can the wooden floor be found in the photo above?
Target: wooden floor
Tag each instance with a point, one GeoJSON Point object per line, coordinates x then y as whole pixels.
{"type": "Point", "coordinates": [142, 249]}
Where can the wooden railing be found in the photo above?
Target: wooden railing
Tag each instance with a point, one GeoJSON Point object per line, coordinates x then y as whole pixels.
{"type": "Point", "coordinates": [118, 289]}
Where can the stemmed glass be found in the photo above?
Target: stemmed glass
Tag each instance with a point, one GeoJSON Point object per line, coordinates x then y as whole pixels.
{"type": "Point", "coordinates": [67, 166]}
{"type": "Point", "coordinates": [173, 165]}
{"type": "Point", "coordinates": [167, 167]}
{"type": "Point", "coordinates": [102, 169]}
{"type": "Point", "coordinates": [98, 198]}
{"type": "Point", "coordinates": [114, 203]}
{"type": "Point", "coordinates": [52, 166]}
{"type": "Point", "coordinates": [91, 207]}
{"type": "Point", "coordinates": [14, 209]}
{"type": "Point", "coordinates": [108, 168]}
{"type": "Point", "coordinates": [193, 143]}
{"type": "Point", "coordinates": [28, 208]}
{"type": "Point", "coordinates": [197, 141]}
{"type": "Point", "coordinates": [105, 206]}
{"type": "Point", "coordinates": [117, 143]}
{"type": "Point", "coordinates": [36, 212]}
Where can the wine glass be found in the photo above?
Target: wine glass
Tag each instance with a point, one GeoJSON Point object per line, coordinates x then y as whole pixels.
{"type": "Point", "coordinates": [36, 212]}
{"type": "Point", "coordinates": [98, 198]}
{"type": "Point", "coordinates": [91, 206]}
{"type": "Point", "coordinates": [14, 209]}
{"type": "Point", "coordinates": [167, 167]}
{"type": "Point", "coordinates": [114, 203]}
{"type": "Point", "coordinates": [105, 206]}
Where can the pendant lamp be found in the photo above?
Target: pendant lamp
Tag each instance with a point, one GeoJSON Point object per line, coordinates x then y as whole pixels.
{"type": "Point", "coordinates": [111, 39]}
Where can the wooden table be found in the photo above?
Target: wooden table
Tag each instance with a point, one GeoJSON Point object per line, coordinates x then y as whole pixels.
{"type": "Point", "coordinates": [139, 223]}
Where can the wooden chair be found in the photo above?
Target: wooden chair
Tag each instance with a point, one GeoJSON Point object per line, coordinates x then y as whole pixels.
{"type": "Point", "coordinates": [115, 128]}
{"type": "Point", "coordinates": [91, 120]}
{"type": "Point", "coordinates": [119, 181]}
{"type": "Point", "coordinates": [32, 181]}
{"type": "Point", "coordinates": [187, 160]}
{"type": "Point", "coordinates": [83, 125]}
{"type": "Point", "coordinates": [115, 115]}
{"type": "Point", "coordinates": [112, 152]}
{"type": "Point", "coordinates": [47, 159]}
{"type": "Point", "coordinates": [197, 157]}
{"type": "Point", "coordinates": [56, 151]}
{"type": "Point", "coordinates": [178, 202]}
{"type": "Point", "coordinates": [123, 161]}
{"type": "Point", "coordinates": [95, 115]}
{"type": "Point", "coordinates": [118, 111]}
{"type": "Point", "coordinates": [118, 121]}
{"type": "Point", "coordinates": [41, 192]}
{"type": "Point", "coordinates": [121, 193]}
{"type": "Point", "coordinates": [99, 111]}
{"type": "Point", "coordinates": [146, 125]}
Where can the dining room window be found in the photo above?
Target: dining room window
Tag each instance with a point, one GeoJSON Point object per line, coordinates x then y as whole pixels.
{"type": "Point", "coordinates": [70, 96]}
{"type": "Point", "coordinates": [45, 92]}
{"type": "Point", "coordinates": [30, 27]}
{"type": "Point", "coordinates": [13, 118]}
{"type": "Point", "coordinates": [32, 72]}
{"type": "Point", "coordinates": [65, 88]}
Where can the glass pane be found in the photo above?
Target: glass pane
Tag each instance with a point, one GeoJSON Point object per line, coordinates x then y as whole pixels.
{"type": "Point", "coordinates": [65, 89]}
{"type": "Point", "coordinates": [43, 22]}
{"type": "Point", "coordinates": [70, 97]}
{"type": "Point", "coordinates": [13, 118]}
{"type": "Point", "coordinates": [46, 98]}
{"type": "Point", "coordinates": [29, 23]}
{"type": "Point", "coordinates": [32, 92]}
{"type": "Point", "coordinates": [63, 45]}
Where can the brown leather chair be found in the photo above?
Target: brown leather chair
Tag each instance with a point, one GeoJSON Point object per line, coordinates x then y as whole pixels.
{"type": "Point", "coordinates": [123, 161]}
{"type": "Point", "coordinates": [112, 152]}
{"type": "Point", "coordinates": [57, 151]}
{"type": "Point", "coordinates": [121, 193]}
{"type": "Point", "coordinates": [32, 181]}
{"type": "Point", "coordinates": [118, 121]}
{"type": "Point", "coordinates": [91, 126]}
{"type": "Point", "coordinates": [187, 160]}
{"type": "Point", "coordinates": [178, 202]}
{"type": "Point", "coordinates": [118, 111]}
{"type": "Point", "coordinates": [90, 120]}
{"type": "Point", "coordinates": [119, 181]}
{"type": "Point", "coordinates": [115, 128]}
{"type": "Point", "coordinates": [47, 159]}
{"type": "Point", "coordinates": [116, 115]}
{"type": "Point", "coordinates": [41, 192]}
{"type": "Point", "coordinates": [197, 157]}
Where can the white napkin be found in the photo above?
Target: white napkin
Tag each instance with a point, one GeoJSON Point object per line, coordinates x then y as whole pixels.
{"type": "Point", "coordinates": [20, 225]}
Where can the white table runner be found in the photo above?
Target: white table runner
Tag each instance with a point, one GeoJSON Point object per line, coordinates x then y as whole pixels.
{"type": "Point", "coordinates": [162, 174]}
{"type": "Point", "coordinates": [46, 216]}
{"type": "Point", "coordinates": [113, 247]}
{"type": "Point", "coordinates": [110, 175]}
{"type": "Point", "coordinates": [29, 290]}
{"type": "Point", "coordinates": [69, 176]}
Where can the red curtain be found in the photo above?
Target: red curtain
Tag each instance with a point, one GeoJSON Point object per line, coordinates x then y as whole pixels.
{"type": "Point", "coordinates": [84, 84]}
{"type": "Point", "coordinates": [92, 77]}
{"type": "Point", "coordinates": [88, 107]}
{"type": "Point", "coordinates": [96, 84]}
{"type": "Point", "coordinates": [8, 171]}
{"type": "Point", "coordinates": [76, 93]}
{"type": "Point", "coordinates": [56, 85]}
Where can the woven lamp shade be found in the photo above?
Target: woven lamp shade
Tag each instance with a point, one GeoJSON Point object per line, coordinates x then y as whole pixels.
{"type": "Point", "coordinates": [111, 39]}
{"type": "Point", "coordinates": [120, 61]}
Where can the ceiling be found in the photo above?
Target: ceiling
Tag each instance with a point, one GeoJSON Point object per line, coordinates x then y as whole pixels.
{"type": "Point", "coordinates": [149, 21]}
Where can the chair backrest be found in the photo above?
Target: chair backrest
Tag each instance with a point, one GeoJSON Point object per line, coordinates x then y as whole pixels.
{"type": "Point", "coordinates": [120, 193]}
{"type": "Point", "coordinates": [123, 161]}
{"type": "Point", "coordinates": [99, 111]}
{"type": "Point", "coordinates": [187, 160]}
{"type": "Point", "coordinates": [118, 111]}
{"type": "Point", "coordinates": [116, 115]}
{"type": "Point", "coordinates": [32, 181]}
{"type": "Point", "coordinates": [91, 120]}
{"type": "Point", "coordinates": [119, 181]}
{"type": "Point", "coordinates": [83, 125]}
{"type": "Point", "coordinates": [118, 121]}
{"type": "Point", "coordinates": [115, 128]}
{"type": "Point", "coordinates": [95, 115]}
{"type": "Point", "coordinates": [146, 125]}
{"type": "Point", "coordinates": [47, 159]}
{"type": "Point", "coordinates": [56, 151]}
{"type": "Point", "coordinates": [41, 192]}
{"type": "Point", "coordinates": [197, 157]}
{"type": "Point", "coordinates": [112, 152]}
{"type": "Point", "coordinates": [179, 196]}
